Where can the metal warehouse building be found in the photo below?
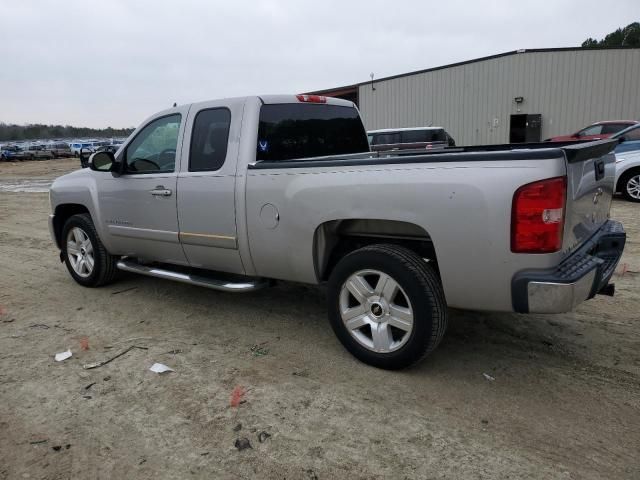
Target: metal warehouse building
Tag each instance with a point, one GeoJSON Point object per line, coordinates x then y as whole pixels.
{"type": "Point", "coordinates": [524, 95]}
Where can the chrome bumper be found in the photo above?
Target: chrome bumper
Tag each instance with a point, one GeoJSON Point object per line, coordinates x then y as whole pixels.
{"type": "Point", "coordinates": [579, 277]}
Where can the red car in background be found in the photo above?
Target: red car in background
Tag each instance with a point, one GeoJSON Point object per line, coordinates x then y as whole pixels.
{"type": "Point", "coordinates": [597, 131]}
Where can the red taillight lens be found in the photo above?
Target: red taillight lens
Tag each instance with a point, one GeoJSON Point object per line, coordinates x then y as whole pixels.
{"type": "Point", "coordinates": [311, 98]}
{"type": "Point", "coordinates": [537, 216]}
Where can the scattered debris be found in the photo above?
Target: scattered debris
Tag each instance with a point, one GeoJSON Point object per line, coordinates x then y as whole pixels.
{"type": "Point", "coordinates": [142, 460]}
{"type": "Point", "coordinates": [485, 421]}
{"type": "Point", "coordinates": [122, 291]}
{"type": "Point", "coordinates": [36, 442]}
{"type": "Point", "coordinates": [89, 366]}
{"type": "Point", "coordinates": [160, 368]}
{"type": "Point", "coordinates": [39, 325]}
{"type": "Point", "coordinates": [88, 397]}
{"type": "Point", "coordinates": [175, 351]}
{"type": "Point", "coordinates": [242, 443]}
{"type": "Point", "coordinates": [237, 396]}
{"type": "Point", "coordinates": [204, 454]}
{"type": "Point", "coordinates": [260, 350]}
{"type": "Point", "coordinates": [57, 448]}
{"type": "Point", "coordinates": [84, 343]}
{"type": "Point", "coordinates": [2, 310]}
{"type": "Point", "coordinates": [79, 308]}
{"type": "Point", "coordinates": [301, 373]}
{"type": "Point", "coordinates": [311, 475]}
{"type": "Point", "coordinates": [488, 377]}
{"type": "Point", "coordinates": [63, 356]}
{"type": "Point", "coordinates": [107, 378]}
{"type": "Point", "coordinates": [89, 386]}
{"type": "Point", "coordinates": [237, 428]}
{"type": "Point", "coordinates": [8, 320]}
{"type": "Point", "coordinates": [262, 436]}
{"type": "Point", "coordinates": [67, 446]}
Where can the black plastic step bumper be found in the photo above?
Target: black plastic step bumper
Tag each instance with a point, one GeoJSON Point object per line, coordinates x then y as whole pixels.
{"type": "Point", "coordinates": [580, 276]}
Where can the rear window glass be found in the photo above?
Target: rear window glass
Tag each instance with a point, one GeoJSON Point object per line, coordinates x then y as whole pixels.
{"type": "Point", "coordinates": [416, 136]}
{"type": "Point", "coordinates": [386, 138]}
{"type": "Point", "coordinates": [209, 140]}
{"type": "Point", "coordinates": [291, 130]}
{"type": "Point", "coordinates": [614, 127]}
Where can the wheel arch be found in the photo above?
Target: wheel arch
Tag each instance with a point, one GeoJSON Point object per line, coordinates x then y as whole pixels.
{"type": "Point", "coordinates": [334, 239]}
{"type": "Point", "coordinates": [62, 213]}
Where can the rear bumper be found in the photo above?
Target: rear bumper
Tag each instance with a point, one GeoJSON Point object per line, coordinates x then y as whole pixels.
{"type": "Point", "coordinates": [577, 278]}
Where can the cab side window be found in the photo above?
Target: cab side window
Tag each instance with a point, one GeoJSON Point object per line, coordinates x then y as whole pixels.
{"type": "Point", "coordinates": [209, 140]}
{"type": "Point", "coordinates": [154, 148]}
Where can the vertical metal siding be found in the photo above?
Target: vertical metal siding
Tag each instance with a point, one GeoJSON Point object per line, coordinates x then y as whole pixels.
{"type": "Point", "coordinates": [571, 89]}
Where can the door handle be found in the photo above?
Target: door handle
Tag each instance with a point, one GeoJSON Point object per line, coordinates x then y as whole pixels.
{"type": "Point", "coordinates": [161, 191]}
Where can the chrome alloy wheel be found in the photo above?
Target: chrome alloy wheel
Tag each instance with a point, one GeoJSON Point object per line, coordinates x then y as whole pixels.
{"type": "Point", "coordinates": [80, 252]}
{"type": "Point", "coordinates": [633, 187]}
{"type": "Point", "coordinates": [376, 311]}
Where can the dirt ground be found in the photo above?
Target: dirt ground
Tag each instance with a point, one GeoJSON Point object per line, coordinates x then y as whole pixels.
{"type": "Point", "coordinates": [564, 402]}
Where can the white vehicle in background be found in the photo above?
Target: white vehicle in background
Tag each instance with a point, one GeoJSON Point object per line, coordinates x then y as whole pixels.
{"type": "Point", "coordinates": [628, 163]}
{"type": "Point", "coordinates": [76, 146]}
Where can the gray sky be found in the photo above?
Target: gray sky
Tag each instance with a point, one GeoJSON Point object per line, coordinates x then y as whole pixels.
{"type": "Point", "coordinates": [115, 62]}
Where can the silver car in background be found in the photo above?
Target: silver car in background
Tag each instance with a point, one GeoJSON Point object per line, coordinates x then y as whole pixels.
{"type": "Point", "coordinates": [628, 163]}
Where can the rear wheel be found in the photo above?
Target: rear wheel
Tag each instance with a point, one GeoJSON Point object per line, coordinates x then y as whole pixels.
{"type": "Point", "coordinates": [85, 256]}
{"type": "Point", "coordinates": [629, 185]}
{"type": "Point", "coordinates": [386, 305]}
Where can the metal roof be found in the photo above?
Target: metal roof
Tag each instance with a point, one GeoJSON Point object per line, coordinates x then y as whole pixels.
{"type": "Point", "coordinates": [466, 62]}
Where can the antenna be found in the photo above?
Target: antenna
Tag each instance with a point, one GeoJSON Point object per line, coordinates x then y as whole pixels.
{"type": "Point", "coordinates": [175, 104]}
{"type": "Point", "coordinates": [373, 89]}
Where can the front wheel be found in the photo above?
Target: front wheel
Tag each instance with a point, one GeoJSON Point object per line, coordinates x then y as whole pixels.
{"type": "Point", "coordinates": [387, 306]}
{"type": "Point", "coordinates": [630, 185]}
{"type": "Point", "coordinates": [85, 256]}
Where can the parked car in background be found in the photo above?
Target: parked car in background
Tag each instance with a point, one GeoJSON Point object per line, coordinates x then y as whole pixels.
{"type": "Point", "coordinates": [35, 151]}
{"type": "Point", "coordinates": [77, 146]}
{"type": "Point", "coordinates": [596, 131]}
{"type": "Point", "coordinates": [629, 139]}
{"type": "Point", "coordinates": [12, 153]}
{"type": "Point", "coordinates": [628, 163]}
{"type": "Point", "coordinates": [418, 138]}
{"type": "Point", "coordinates": [60, 149]}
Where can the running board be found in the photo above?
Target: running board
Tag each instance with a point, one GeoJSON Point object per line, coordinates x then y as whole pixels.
{"type": "Point", "coordinates": [193, 279]}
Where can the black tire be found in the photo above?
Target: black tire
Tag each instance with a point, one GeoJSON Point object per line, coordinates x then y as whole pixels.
{"type": "Point", "coordinates": [421, 286]}
{"type": "Point", "coordinates": [624, 180]}
{"type": "Point", "coordinates": [104, 269]}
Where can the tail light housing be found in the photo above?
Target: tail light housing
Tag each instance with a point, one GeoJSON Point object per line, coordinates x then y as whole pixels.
{"type": "Point", "coordinates": [311, 98]}
{"type": "Point", "coordinates": [537, 216]}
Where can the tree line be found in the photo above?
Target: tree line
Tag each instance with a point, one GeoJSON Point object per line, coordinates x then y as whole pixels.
{"type": "Point", "coordinates": [628, 36]}
{"type": "Point", "coordinates": [40, 131]}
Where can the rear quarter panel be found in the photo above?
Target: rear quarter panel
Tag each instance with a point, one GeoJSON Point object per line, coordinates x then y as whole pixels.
{"type": "Point", "coordinates": [464, 206]}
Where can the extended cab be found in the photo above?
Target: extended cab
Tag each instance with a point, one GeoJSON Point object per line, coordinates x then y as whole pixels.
{"type": "Point", "coordinates": [232, 194]}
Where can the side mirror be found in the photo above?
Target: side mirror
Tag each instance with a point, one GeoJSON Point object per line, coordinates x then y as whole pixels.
{"type": "Point", "coordinates": [102, 161]}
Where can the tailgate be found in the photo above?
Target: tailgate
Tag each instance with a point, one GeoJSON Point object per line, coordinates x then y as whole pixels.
{"type": "Point", "coordinates": [590, 186]}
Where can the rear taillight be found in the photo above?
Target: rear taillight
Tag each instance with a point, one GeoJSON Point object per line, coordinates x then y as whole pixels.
{"type": "Point", "coordinates": [537, 216]}
{"type": "Point", "coordinates": [311, 98]}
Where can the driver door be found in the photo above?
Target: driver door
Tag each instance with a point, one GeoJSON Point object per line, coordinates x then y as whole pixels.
{"type": "Point", "coordinates": [139, 206]}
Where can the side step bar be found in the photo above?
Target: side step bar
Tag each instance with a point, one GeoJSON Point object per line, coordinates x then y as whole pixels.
{"type": "Point", "coordinates": [216, 284]}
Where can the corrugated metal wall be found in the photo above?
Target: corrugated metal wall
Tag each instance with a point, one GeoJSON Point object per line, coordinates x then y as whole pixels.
{"type": "Point", "coordinates": [571, 89]}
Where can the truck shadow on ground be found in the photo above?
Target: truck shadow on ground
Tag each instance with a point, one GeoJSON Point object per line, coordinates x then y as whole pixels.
{"type": "Point", "coordinates": [298, 313]}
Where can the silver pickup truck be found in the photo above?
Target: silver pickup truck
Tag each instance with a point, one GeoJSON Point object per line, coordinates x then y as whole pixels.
{"type": "Point", "coordinates": [233, 194]}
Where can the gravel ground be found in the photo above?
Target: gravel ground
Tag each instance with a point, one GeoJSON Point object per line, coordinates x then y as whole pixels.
{"type": "Point", "coordinates": [564, 401]}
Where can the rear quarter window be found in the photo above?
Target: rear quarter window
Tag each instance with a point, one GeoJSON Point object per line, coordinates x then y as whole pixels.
{"type": "Point", "coordinates": [293, 131]}
{"type": "Point", "coordinates": [209, 140]}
